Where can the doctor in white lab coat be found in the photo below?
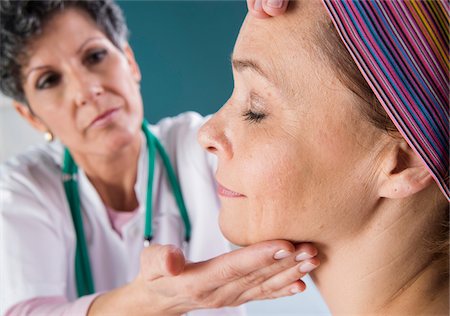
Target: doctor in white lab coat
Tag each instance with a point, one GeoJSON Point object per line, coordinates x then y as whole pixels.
{"type": "Point", "coordinates": [79, 84]}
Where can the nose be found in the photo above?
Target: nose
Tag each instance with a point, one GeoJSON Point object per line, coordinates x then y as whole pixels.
{"type": "Point", "coordinates": [212, 137]}
{"type": "Point", "coordinates": [87, 89]}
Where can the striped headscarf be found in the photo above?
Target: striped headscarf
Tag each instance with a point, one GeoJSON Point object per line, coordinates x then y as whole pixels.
{"type": "Point", "coordinates": [401, 48]}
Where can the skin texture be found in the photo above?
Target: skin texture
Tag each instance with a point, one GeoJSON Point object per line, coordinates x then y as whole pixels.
{"type": "Point", "coordinates": [296, 180]}
{"type": "Point", "coordinates": [73, 76]}
{"type": "Point", "coordinates": [304, 164]}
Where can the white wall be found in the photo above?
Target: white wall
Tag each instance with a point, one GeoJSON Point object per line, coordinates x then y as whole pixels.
{"type": "Point", "coordinates": [15, 133]}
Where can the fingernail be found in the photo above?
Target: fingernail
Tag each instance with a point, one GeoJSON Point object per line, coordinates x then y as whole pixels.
{"type": "Point", "coordinates": [302, 256]}
{"type": "Point", "coordinates": [276, 4]}
{"type": "Point", "coordinates": [258, 5]}
{"type": "Point", "coordinates": [295, 290]}
{"type": "Point", "coordinates": [306, 267]}
{"type": "Point", "coordinates": [281, 254]}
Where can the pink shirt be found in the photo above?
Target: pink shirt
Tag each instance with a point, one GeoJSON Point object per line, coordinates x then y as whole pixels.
{"type": "Point", "coordinates": [59, 305]}
{"type": "Point", "coordinates": [118, 219]}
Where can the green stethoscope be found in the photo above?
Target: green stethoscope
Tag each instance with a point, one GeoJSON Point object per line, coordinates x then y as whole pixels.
{"type": "Point", "coordinates": [83, 274]}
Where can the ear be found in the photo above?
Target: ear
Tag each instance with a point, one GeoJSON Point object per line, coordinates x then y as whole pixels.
{"type": "Point", "coordinates": [404, 173]}
{"type": "Point", "coordinates": [32, 119]}
{"type": "Point", "coordinates": [132, 62]}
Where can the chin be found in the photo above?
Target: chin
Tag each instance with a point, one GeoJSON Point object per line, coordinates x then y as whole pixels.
{"type": "Point", "coordinates": [119, 138]}
{"type": "Point", "coordinates": [237, 232]}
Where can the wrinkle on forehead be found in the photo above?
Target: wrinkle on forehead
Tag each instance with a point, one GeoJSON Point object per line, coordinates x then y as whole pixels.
{"type": "Point", "coordinates": [48, 28]}
{"type": "Point", "coordinates": [283, 44]}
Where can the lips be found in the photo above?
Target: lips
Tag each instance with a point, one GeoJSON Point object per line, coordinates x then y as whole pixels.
{"type": "Point", "coordinates": [223, 191]}
{"type": "Point", "coordinates": [104, 119]}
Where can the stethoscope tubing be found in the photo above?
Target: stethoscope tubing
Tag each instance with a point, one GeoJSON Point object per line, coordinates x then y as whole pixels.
{"type": "Point", "coordinates": [83, 273]}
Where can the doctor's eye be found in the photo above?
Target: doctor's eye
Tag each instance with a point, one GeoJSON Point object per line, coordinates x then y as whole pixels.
{"type": "Point", "coordinates": [47, 80]}
{"type": "Point", "coordinates": [253, 117]}
{"type": "Point", "coordinates": [95, 57]}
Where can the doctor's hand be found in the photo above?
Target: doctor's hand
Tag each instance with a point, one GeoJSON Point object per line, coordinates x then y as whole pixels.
{"type": "Point", "coordinates": [267, 8]}
{"type": "Point", "coordinates": [167, 285]}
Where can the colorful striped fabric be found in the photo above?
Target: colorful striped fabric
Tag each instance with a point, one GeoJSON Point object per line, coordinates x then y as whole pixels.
{"type": "Point", "coordinates": [401, 48]}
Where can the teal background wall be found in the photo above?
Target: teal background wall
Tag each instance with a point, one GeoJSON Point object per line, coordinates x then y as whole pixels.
{"type": "Point", "coordinates": [183, 49]}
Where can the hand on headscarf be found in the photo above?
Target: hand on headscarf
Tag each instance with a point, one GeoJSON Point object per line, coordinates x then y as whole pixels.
{"type": "Point", "coordinates": [267, 8]}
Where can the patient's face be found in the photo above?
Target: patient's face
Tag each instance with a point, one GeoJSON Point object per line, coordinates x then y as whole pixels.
{"type": "Point", "coordinates": [295, 157]}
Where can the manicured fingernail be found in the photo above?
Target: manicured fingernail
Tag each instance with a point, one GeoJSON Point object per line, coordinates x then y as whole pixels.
{"type": "Point", "coordinates": [302, 256]}
{"type": "Point", "coordinates": [276, 4]}
{"type": "Point", "coordinates": [281, 254]}
{"type": "Point", "coordinates": [258, 5]}
{"type": "Point", "coordinates": [295, 290]}
{"type": "Point", "coordinates": [306, 267]}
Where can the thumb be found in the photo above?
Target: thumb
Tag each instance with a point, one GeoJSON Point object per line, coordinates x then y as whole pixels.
{"type": "Point", "coordinates": [161, 260]}
{"type": "Point", "coordinates": [267, 8]}
{"type": "Point", "coordinates": [274, 7]}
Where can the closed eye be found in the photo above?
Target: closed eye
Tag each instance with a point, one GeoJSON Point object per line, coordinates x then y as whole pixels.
{"type": "Point", "coordinates": [253, 117]}
{"type": "Point", "coordinates": [256, 112]}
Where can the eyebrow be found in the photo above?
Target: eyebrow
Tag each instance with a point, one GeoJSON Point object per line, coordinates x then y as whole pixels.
{"type": "Point", "coordinates": [86, 42]}
{"type": "Point", "coordinates": [77, 52]}
{"type": "Point", "coordinates": [248, 64]}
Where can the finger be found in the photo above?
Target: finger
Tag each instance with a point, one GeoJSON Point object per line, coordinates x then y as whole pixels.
{"type": "Point", "coordinates": [255, 8]}
{"type": "Point", "coordinates": [305, 251]}
{"type": "Point", "coordinates": [158, 260]}
{"type": "Point", "coordinates": [175, 261]}
{"type": "Point", "coordinates": [239, 263]}
{"type": "Point", "coordinates": [274, 7]}
{"type": "Point", "coordinates": [295, 287]}
{"type": "Point", "coordinates": [234, 289]}
{"type": "Point", "coordinates": [280, 281]}
{"type": "Point", "coordinates": [291, 289]}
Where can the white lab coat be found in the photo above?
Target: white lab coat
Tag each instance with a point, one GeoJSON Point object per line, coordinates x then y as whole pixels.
{"type": "Point", "coordinates": [37, 237]}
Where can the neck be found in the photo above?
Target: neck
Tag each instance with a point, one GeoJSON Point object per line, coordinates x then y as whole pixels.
{"type": "Point", "coordinates": [114, 176]}
{"type": "Point", "coordinates": [387, 268]}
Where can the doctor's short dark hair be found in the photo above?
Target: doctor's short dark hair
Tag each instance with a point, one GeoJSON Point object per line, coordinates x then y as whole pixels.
{"type": "Point", "coordinates": [21, 21]}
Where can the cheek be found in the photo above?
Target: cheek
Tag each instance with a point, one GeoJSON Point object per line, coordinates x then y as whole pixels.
{"type": "Point", "coordinates": [276, 178]}
{"type": "Point", "coordinates": [281, 191]}
{"type": "Point", "coordinates": [273, 182]}
{"type": "Point", "coordinates": [125, 80]}
{"type": "Point", "coordinates": [58, 118]}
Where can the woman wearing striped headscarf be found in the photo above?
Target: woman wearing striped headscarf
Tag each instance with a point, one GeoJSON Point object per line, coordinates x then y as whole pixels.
{"type": "Point", "coordinates": [337, 133]}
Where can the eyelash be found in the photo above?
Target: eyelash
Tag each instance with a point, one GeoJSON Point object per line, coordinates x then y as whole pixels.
{"type": "Point", "coordinates": [253, 117]}
{"type": "Point", "coordinates": [47, 81]}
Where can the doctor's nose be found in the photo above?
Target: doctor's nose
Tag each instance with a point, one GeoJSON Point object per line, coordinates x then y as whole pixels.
{"type": "Point", "coordinates": [87, 91]}
{"type": "Point", "coordinates": [212, 137]}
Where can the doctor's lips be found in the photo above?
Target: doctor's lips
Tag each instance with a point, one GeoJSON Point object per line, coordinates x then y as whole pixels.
{"type": "Point", "coordinates": [105, 118]}
{"type": "Point", "coordinates": [221, 190]}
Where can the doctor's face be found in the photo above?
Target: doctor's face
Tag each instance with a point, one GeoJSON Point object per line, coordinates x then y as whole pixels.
{"type": "Point", "coordinates": [295, 156]}
{"type": "Point", "coordinates": [82, 87]}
